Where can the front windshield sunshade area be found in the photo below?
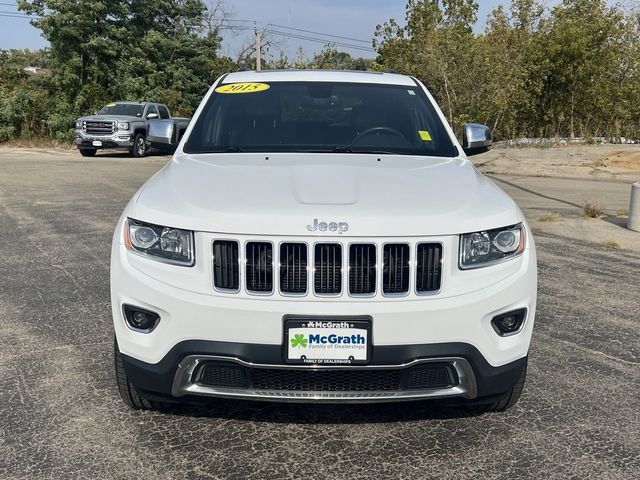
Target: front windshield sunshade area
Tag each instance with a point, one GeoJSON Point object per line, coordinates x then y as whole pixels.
{"type": "Point", "coordinates": [127, 109]}
{"type": "Point", "coordinates": [320, 117]}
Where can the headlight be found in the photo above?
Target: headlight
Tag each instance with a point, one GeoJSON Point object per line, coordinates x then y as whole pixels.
{"type": "Point", "coordinates": [123, 125]}
{"type": "Point", "coordinates": [481, 249]}
{"type": "Point", "coordinates": [78, 124]}
{"type": "Point", "coordinates": [166, 244]}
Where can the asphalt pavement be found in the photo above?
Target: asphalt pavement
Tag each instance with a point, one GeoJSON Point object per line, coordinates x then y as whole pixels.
{"type": "Point", "coordinates": [61, 416]}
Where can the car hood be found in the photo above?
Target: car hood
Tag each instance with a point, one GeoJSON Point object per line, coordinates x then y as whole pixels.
{"type": "Point", "coordinates": [284, 194]}
{"type": "Point", "coordinates": [102, 118]}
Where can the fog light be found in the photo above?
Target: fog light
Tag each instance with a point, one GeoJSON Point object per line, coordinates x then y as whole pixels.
{"type": "Point", "coordinates": [509, 323]}
{"type": "Point", "coordinates": [140, 319]}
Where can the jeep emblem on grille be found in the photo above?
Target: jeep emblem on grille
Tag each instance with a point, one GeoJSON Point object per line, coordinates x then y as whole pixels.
{"type": "Point", "coordinates": [339, 227]}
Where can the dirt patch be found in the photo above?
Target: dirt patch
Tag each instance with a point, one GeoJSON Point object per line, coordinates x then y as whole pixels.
{"type": "Point", "coordinates": [629, 159]}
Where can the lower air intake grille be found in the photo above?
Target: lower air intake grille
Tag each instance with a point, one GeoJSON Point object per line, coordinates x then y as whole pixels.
{"type": "Point", "coordinates": [431, 375]}
{"type": "Point", "coordinates": [429, 267]}
{"type": "Point", "coordinates": [222, 375]}
{"type": "Point", "coordinates": [259, 267]}
{"type": "Point", "coordinates": [325, 380]}
{"type": "Point", "coordinates": [419, 377]}
{"type": "Point", "coordinates": [328, 269]}
{"type": "Point", "coordinates": [225, 265]}
{"type": "Point", "coordinates": [293, 268]}
{"type": "Point", "coordinates": [362, 269]}
{"type": "Point", "coordinates": [395, 272]}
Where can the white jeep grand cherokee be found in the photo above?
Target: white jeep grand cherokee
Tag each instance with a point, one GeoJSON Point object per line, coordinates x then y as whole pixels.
{"type": "Point", "coordinates": [321, 236]}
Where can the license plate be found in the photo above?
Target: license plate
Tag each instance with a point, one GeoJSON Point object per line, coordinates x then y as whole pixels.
{"type": "Point", "coordinates": [97, 143]}
{"type": "Point", "coordinates": [327, 340]}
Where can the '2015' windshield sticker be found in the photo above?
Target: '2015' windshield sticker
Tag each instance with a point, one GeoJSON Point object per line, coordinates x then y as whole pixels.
{"type": "Point", "coordinates": [424, 135]}
{"type": "Point", "coordinates": [244, 87]}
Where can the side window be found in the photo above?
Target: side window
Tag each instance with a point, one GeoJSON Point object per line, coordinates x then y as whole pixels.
{"type": "Point", "coordinates": [164, 112]}
{"type": "Point", "coordinates": [151, 109]}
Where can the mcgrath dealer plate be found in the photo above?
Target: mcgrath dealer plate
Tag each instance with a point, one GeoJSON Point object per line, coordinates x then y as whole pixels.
{"type": "Point", "coordinates": [327, 340]}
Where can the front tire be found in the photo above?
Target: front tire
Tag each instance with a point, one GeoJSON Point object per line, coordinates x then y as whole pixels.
{"type": "Point", "coordinates": [139, 148]}
{"type": "Point", "coordinates": [88, 152]}
{"type": "Point", "coordinates": [128, 392]}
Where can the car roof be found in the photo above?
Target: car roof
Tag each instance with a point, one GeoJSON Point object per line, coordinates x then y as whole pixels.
{"type": "Point", "coordinates": [336, 76]}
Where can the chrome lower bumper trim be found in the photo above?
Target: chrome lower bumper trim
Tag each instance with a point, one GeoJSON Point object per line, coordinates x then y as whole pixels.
{"type": "Point", "coordinates": [183, 384]}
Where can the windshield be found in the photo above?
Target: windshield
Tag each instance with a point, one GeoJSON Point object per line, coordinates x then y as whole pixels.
{"type": "Point", "coordinates": [320, 117]}
{"type": "Point", "coordinates": [128, 109]}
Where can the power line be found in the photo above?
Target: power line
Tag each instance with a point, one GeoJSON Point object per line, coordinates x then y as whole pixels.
{"type": "Point", "coordinates": [320, 33]}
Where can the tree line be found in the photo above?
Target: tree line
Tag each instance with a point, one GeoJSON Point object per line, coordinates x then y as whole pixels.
{"type": "Point", "coordinates": [572, 70]}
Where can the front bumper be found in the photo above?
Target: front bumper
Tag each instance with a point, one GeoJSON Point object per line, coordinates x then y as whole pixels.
{"type": "Point", "coordinates": [117, 140]}
{"type": "Point", "coordinates": [175, 377]}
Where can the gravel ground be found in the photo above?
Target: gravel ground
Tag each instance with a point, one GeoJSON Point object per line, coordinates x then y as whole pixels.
{"type": "Point", "coordinates": [61, 417]}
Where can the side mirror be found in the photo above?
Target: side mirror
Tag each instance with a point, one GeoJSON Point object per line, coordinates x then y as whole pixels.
{"type": "Point", "coordinates": [476, 138]}
{"type": "Point", "coordinates": [152, 116]}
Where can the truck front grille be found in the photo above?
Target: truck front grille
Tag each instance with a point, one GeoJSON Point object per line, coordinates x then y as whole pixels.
{"type": "Point", "coordinates": [296, 268]}
{"type": "Point", "coordinates": [98, 127]}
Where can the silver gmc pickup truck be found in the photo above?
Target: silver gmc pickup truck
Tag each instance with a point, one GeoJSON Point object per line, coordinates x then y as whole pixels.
{"type": "Point", "coordinates": [128, 125]}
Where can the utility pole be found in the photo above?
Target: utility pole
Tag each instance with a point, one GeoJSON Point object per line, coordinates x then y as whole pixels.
{"type": "Point", "coordinates": [258, 48]}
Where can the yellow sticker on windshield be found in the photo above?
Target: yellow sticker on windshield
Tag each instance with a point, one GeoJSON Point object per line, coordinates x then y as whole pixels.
{"type": "Point", "coordinates": [424, 135]}
{"type": "Point", "coordinates": [244, 87]}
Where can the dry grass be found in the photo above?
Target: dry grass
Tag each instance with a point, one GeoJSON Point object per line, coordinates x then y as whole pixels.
{"type": "Point", "coordinates": [612, 244]}
{"type": "Point", "coordinates": [592, 210]}
{"type": "Point", "coordinates": [549, 217]}
{"type": "Point", "coordinates": [36, 143]}
{"type": "Point", "coordinates": [623, 212]}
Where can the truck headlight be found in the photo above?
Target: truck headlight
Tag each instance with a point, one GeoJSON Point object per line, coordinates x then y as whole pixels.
{"type": "Point", "coordinates": [123, 125]}
{"type": "Point", "coordinates": [165, 244]}
{"type": "Point", "coordinates": [78, 124]}
{"type": "Point", "coordinates": [481, 249]}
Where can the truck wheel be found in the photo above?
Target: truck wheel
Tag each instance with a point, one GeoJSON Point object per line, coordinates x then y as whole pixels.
{"type": "Point", "coordinates": [127, 391]}
{"type": "Point", "coordinates": [139, 148]}
{"type": "Point", "coordinates": [88, 152]}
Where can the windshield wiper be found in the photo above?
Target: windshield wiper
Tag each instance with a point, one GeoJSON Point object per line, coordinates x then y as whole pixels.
{"type": "Point", "coordinates": [232, 148]}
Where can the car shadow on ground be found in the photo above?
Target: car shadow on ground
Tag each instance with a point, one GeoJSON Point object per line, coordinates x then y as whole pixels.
{"type": "Point", "coordinates": [125, 154]}
{"type": "Point", "coordinates": [617, 220]}
{"type": "Point", "coordinates": [296, 413]}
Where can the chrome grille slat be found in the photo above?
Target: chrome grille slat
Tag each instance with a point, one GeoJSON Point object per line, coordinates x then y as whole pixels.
{"type": "Point", "coordinates": [259, 267]}
{"type": "Point", "coordinates": [226, 275]}
{"type": "Point", "coordinates": [395, 270]}
{"type": "Point", "coordinates": [328, 268]}
{"type": "Point", "coordinates": [362, 269]}
{"type": "Point", "coordinates": [293, 268]}
{"type": "Point", "coordinates": [428, 267]}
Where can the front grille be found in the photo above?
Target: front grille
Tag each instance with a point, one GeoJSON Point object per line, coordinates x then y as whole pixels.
{"type": "Point", "coordinates": [293, 268]}
{"type": "Point", "coordinates": [362, 269]}
{"type": "Point", "coordinates": [225, 265]}
{"type": "Point", "coordinates": [328, 269]}
{"type": "Point", "coordinates": [419, 377]}
{"type": "Point", "coordinates": [428, 266]}
{"type": "Point", "coordinates": [365, 269]}
{"type": "Point", "coordinates": [99, 127]}
{"type": "Point", "coordinates": [395, 270]}
{"type": "Point", "coordinates": [259, 267]}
